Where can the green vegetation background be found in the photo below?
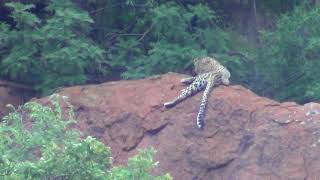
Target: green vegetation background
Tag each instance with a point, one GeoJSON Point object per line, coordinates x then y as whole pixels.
{"type": "Point", "coordinates": [271, 47]}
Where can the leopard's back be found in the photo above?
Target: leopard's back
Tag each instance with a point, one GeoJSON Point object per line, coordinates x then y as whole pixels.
{"type": "Point", "coordinates": [210, 65]}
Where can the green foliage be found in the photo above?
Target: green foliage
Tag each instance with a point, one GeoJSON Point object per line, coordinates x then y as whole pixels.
{"type": "Point", "coordinates": [36, 142]}
{"type": "Point", "coordinates": [138, 168]}
{"type": "Point", "coordinates": [52, 52]}
{"type": "Point", "coordinates": [36, 145]}
{"type": "Point", "coordinates": [142, 39]}
{"type": "Point", "coordinates": [49, 47]}
{"type": "Point", "coordinates": [279, 6]}
{"type": "Point", "coordinates": [289, 58]}
{"type": "Point", "coordinates": [165, 37]}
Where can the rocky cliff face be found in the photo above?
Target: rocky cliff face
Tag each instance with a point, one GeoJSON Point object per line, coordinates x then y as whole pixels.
{"type": "Point", "coordinates": [245, 136]}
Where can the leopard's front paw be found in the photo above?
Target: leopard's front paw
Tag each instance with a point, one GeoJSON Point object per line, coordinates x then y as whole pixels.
{"type": "Point", "coordinates": [168, 104]}
{"type": "Point", "coordinates": [187, 80]}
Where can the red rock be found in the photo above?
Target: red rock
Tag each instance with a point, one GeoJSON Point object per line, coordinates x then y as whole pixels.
{"type": "Point", "coordinates": [245, 136]}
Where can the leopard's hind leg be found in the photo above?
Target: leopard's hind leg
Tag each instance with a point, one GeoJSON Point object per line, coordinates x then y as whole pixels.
{"type": "Point", "coordinates": [197, 85]}
{"type": "Point", "coordinates": [203, 104]}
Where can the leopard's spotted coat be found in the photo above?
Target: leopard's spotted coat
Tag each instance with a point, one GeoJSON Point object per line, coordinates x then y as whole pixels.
{"type": "Point", "coordinates": [209, 73]}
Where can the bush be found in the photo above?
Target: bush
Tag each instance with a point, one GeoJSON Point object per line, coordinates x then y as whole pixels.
{"type": "Point", "coordinates": [290, 56]}
{"type": "Point", "coordinates": [52, 52]}
{"type": "Point", "coordinates": [36, 142]}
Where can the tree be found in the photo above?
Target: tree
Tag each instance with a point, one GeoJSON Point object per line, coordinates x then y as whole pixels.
{"type": "Point", "coordinates": [289, 58]}
{"type": "Point", "coordinates": [51, 52]}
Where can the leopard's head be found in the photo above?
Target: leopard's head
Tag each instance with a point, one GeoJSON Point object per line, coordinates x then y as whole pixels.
{"type": "Point", "coordinates": [204, 65]}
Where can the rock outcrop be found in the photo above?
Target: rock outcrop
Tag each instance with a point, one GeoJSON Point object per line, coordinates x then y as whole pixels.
{"type": "Point", "coordinates": [245, 136]}
{"type": "Point", "coordinates": [12, 93]}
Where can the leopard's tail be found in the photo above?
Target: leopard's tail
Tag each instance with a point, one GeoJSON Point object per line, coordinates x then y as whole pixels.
{"type": "Point", "coordinates": [202, 109]}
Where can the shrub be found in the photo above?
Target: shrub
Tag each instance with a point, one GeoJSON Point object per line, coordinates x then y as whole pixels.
{"type": "Point", "coordinates": [36, 142]}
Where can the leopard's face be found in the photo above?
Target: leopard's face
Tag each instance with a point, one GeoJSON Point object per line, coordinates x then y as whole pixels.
{"type": "Point", "coordinates": [204, 65]}
{"type": "Point", "coordinates": [203, 61]}
{"type": "Point", "coordinates": [208, 64]}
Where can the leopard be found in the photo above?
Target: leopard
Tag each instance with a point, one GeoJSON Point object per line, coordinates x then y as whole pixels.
{"type": "Point", "coordinates": [209, 73]}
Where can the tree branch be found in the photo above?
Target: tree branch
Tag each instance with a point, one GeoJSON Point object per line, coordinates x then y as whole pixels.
{"type": "Point", "coordinates": [235, 53]}
{"type": "Point", "coordinates": [146, 32]}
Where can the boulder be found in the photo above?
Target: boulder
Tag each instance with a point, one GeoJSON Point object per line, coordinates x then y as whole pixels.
{"type": "Point", "coordinates": [245, 136]}
{"type": "Point", "coordinates": [13, 93]}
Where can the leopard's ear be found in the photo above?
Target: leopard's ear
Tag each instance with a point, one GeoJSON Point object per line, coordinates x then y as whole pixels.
{"type": "Point", "coordinates": [195, 60]}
